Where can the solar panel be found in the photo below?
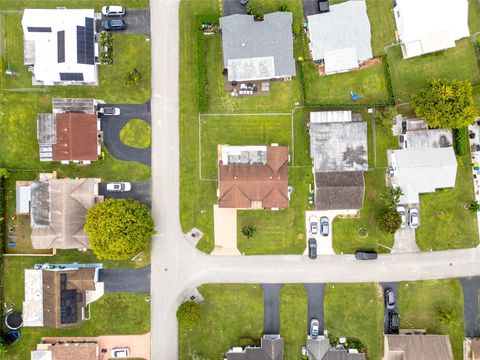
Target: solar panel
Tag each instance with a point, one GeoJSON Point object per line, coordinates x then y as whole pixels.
{"type": "Point", "coordinates": [39, 29]}
{"type": "Point", "coordinates": [71, 76]}
{"type": "Point", "coordinates": [61, 46]}
{"type": "Point", "coordinates": [86, 42]}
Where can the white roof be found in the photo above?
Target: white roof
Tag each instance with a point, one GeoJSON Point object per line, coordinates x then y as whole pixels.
{"type": "Point", "coordinates": [23, 199]}
{"type": "Point", "coordinates": [330, 116]}
{"type": "Point", "coordinates": [430, 25]}
{"type": "Point", "coordinates": [47, 67]}
{"type": "Point", "coordinates": [345, 26]}
{"type": "Point", "coordinates": [33, 304]}
{"type": "Point", "coordinates": [41, 355]}
{"type": "Point", "coordinates": [340, 60]}
{"type": "Point", "coordinates": [419, 171]}
{"type": "Point", "coordinates": [259, 68]}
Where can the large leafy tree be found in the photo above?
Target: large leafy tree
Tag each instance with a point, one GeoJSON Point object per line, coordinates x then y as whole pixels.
{"type": "Point", "coordinates": [389, 220]}
{"type": "Point", "coordinates": [445, 104]}
{"type": "Point", "coordinates": [188, 314]}
{"type": "Point", "coordinates": [119, 229]}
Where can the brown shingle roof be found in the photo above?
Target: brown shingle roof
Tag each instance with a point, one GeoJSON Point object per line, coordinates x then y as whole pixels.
{"type": "Point", "coordinates": [68, 348]}
{"type": "Point", "coordinates": [246, 186]}
{"type": "Point", "coordinates": [76, 137]}
{"type": "Point", "coordinates": [339, 190]}
{"type": "Point", "coordinates": [418, 347]}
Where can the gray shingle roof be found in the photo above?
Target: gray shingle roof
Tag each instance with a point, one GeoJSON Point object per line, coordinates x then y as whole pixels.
{"type": "Point", "coordinates": [271, 349]}
{"type": "Point", "coordinates": [244, 38]}
{"type": "Point", "coordinates": [339, 190]}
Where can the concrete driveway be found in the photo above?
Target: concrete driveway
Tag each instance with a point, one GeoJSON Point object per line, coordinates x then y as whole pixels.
{"type": "Point", "coordinates": [310, 7]}
{"type": "Point", "coordinates": [271, 308]}
{"type": "Point", "coordinates": [386, 312]}
{"type": "Point", "coordinates": [126, 280]}
{"type": "Point", "coordinates": [138, 345]}
{"type": "Point", "coordinates": [225, 231]}
{"type": "Point", "coordinates": [141, 191]}
{"type": "Point", "coordinates": [231, 7]}
{"type": "Point", "coordinates": [138, 22]}
{"type": "Point", "coordinates": [315, 293]}
{"type": "Point", "coordinates": [405, 241]}
{"type": "Point", "coordinates": [111, 126]}
{"type": "Point", "coordinates": [470, 306]}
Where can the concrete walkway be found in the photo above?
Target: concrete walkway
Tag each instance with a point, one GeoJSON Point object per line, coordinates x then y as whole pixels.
{"type": "Point", "coordinates": [225, 231]}
{"type": "Point", "coordinates": [405, 241]}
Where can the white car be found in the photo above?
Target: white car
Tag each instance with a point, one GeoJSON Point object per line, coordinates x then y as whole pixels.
{"type": "Point", "coordinates": [403, 215]}
{"type": "Point", "coordinates": [413, 218]}
{"type": "Point", "coordinates": [113, 10]}
{"type": "Point", "coordinates": [313, 224]}
{"type": "Point", "coordinates": [109, 110]}
{"type": "Point", "coordinates": [119, 186]}
{"type": "Point", "coordinates": [119, 353]}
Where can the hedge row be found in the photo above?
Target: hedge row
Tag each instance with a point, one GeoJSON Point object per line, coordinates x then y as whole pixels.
{"type": "Point", "coordinates": [460, 141]}
{"type": "Point", "coordinates": [386, 68]}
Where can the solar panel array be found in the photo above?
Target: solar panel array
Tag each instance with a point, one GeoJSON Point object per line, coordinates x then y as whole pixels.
{"type": "Point", "coordinates": [86, 43]}
{"type": "Point", "coordinates": [68, 302]}
{"type": "Point", "coordinates": [71, 76]}
{"type": "Point", "coordinates": [61, 46]}
{"type": "Point", "coordinates": [39, 29]}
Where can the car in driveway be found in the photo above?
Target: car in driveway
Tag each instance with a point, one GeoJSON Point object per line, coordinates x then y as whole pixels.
{"type": "Point", "coordinates": [120, 353]}
{"type": "Point", "coordinates": [243, 2]}
{"type": "Point", "coordinates": [324, 226]}
{"type": "Point", "coordinates": [114, 25]}
{"type": "Point", "coordinates": [312, 248]}
{"type": "Point", "coordinates": [113, 10]}
{"type": "Point", "coordinates": [390, 299]}
{"type": "Point", "coordinates": [323, 6]}
{"type": "Point", "coordinates": [403, 216]}
{"type": "Point", "coordinates": [413, 218]}
{"type": "Point", "coordinates": [109, 111]}
{"type": "Point", "coordinates": [366, 255]}
{"type": "Point", "coordinates": [119, 186]}
{"type": "Point", "coordinates": [393, 323]}
{"type": "Point", "coordinates": [313, 225]}
{"type": "Point", "coordinates": [314, 328]}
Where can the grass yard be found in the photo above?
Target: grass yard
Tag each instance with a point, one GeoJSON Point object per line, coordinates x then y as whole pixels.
{"type": "Point", "coordinates": [474, 16]}
{"type": "Point", "coordinates": [231, 315]}
{"type": "Point", "coordinates": [369, 83]}
{"type": "Point", "coordinates": [444, 222]}
{"type": "Point", "coordinates": [136, 133]}
{"type": "Point", "coordinates": [356, 311]}
{"type": "Point", "coordinates": [81, 4]}
{"type": "Point", "coordinates": [293, 319]}
{"type": "Point", "coordinates": [346, 236]}
{"type": "Point", "coordinates": [384, 141]}
{"type": "Point", "coordinates": [418, 302]}
{"type": "Point", "coordinates": [382, 23]}
{"type": "Point", "coordinates": [301, 118]}
{"type": "Point", "coordinates": [409, 76]}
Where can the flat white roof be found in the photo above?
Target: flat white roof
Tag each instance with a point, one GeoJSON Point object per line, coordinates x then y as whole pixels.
{"type": "Point", "coordinates": [244, 154]}
{"type": "Point", "coordinates": [430, 25]}
{"type": "Point", "coordinates": [259, 68]}
{"type": "Point", "coordinates": [23, 199]}
{"type": "Point", "coordinates": [41, 355]}
{"type": "Point", "coordinates": [340, 60]}
{"type": "Point", "coordinates": [33, 304]}
{"type": "Point", "coordinates": [330, 116]}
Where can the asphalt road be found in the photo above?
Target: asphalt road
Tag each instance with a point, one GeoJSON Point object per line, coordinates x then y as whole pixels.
{"type": "Point", "coordinates": [271, 308]}
{"type": "Point", "coordinates": [140, 191]}
{"type": "Point", "coordinates": [111, 126]}
{"type": "Point", "coordinates": [231, 7]}
{"type": "Point", "coordinates": [315, 293]}
{"type": "Point", "coordinates": [386, 312]}
{"type": "Point", "coordinates": [126, 280]}
{"type": "Point", "coordinates": [470, 306]}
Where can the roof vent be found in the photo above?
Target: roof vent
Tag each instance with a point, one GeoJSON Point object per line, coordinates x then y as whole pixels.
{"type": "Point", "coordinates": [235, 178]}
{"type": "Point", "coordinates": [243, 44]}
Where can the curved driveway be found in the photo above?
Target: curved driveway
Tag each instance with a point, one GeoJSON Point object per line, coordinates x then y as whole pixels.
{"type": "Point", "coordinates": [177, 266]}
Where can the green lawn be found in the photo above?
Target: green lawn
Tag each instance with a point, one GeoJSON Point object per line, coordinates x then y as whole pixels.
{"type": "Point", "coordinates": [418, 302]}
{"type": "Point", "coordinates": [444, 222]}
{"type": "Point", "coordinates": [293, 319]}
{"type": "Point", "coordinates": [474, 16]}
{"type": "Point", "coordinates": [382, 24]}
{"type": "Point", "coordinates": [356, 311]}
{"type": "Point", "coordinates": [409, 76]}
{"type": "Point", "coordinates": [136, 133]}
{"type": "Point", "coordinates": [369, 83]}
{"type": "Point", "coordinates": [82, 4]}
{"type": "Point", "coordinates": [231, 315]}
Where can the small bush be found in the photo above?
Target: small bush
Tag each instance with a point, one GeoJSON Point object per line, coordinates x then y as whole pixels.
{"type": "Point", "coordinates": [284, 8]}
{"type": "Point", "coordinates": [384, 117]}
{"type": "Point", "coordinates": [188, 314]}
{"type": "Point", "coordinates": [133, 78]}
{"type": "Point", "coordinates": [460, 141]}
{"type": "Point", "coordinates": [389, 220]}
{"type": "Point", "coordinates": [105, 45]}
{"type": "Point", "coordinates": [249, 231]}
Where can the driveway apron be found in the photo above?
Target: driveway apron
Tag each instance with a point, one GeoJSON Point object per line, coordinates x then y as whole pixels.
{"type": "Point", "coordinates": [271, 308]}
{"type": "Point", "coordinates": [141, 191]}
{"type": "Point", "coordinates": [126, 280]}
{"type": "Point", "coordinates": [470, 306]}
{"type": "Point", "coordinates": [394, 287]}
{"type": "Point", "coordinates": [315, 293]}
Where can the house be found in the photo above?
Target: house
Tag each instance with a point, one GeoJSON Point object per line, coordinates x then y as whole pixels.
{"type": "Point", "coordinates": [320, 349]}
{"type": "Point", "coordinates": [417, 347]}
{"type": "Point", "coordinates": [338, 148]}
{"type": "Point", "coordinates": [71, 132]}
{"type": "Point", "coordinates": [68, 348]}
{"type": "Point", "coordinates": [271, 348]}
{"type": "Point", "coordinates": [59, 296]}
{"type": "Point", "coordinates": [57, 209]}
{"type": "Point", "coordinates": [258, 50]}
{"type": "Point", "coordinates": [253, 177]}
{"type": "Point", "coordinates": [60, 47]}
{"type": "Point", "coordinates": [341, 38]}
{"type": "Point", "coordinates": [471, 349]}
{"type": "Point", "coordinates": [428, 26]}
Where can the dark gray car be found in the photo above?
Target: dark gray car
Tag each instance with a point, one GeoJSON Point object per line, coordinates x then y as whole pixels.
{"type": "Point", "coordinates": [114, 25]}
{"type": "Point", "coordinates": [366, 255]}
{"type": "Point", "coordinates": [312, 248]}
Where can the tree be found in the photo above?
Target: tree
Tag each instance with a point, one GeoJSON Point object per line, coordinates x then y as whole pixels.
{"type": "Point", "coordinates": [3, 348]}
{"type": "Point", "coordinates": [133, 78]}
{"type": "Point", "coordinates": [283, 8]}
{"type": "Point", "coordinates": [249, 231]}
{"type": "Point", "coordinates": [445, 316]}
{"type": "Point", "coordinates": [473, 206]}
{"type": "Point", "coordinates": [445, 104]}
{"type": "Point", "coordinates": [188, 314]}
{"type": "Point", "coordinates": [119, 229]}
{"type": "Point", "coordinates": [4, 173]}
{"type": "Point", "coordinates": [391, 197]}
{"type": "Point", "coordinates": [384, 117]}
{"type": "Point", "coordinates": [389, 220]}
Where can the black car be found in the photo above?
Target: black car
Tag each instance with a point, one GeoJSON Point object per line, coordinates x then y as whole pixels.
{"type": "Point", "coordinates": [312, 248]}
{"type": "Point", "coordinates": [393, 323]}
{"type": "Point", "coordinates": [114, 25]}
{"type": "Point", "coordinates": [366, 255]}
{"type": "Point", "coordinates": [323, 6]}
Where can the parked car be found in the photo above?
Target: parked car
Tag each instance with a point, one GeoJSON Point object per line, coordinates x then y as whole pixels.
{"type": "Point", "coordinates": [314, 328]}
{"type": "Point", "coordinates": [413, 218]}
{"type": "Point", "coordinates": [389, 299]}
{"type": "Point", "coordinates": [366, 255]}
{"type": "Point", "coordinates": [120, 353]}
{"type": "Point", "coordinates": [114, 25]}
{"type": "Point", "coordinates": [393, 323]}
{"type": "Point", "coordinates": [313, 222]}
{"type": "Point", "coordinates": [312, 248]}
{"type": "Point", "coordinates": [324, 226]}
{"type": "Point", "coordinates": [113, 10]}
{"type": "Point", "coordinates": [243, 2]}
{"type": "Point", "coordinates": [403, 215]}
{"type": "Point", "coordinates": [119, 186]}
{"type": "Point", "coordinates": [323, 6]}
{"type": "Point", "coordinates": [109, 110]}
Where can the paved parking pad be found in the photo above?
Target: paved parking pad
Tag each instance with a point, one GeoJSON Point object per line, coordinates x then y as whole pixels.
{"type": "Point", "coordinates": [126, 280]}
{"type": "Point", "coordinates": [231, 7]}
{"type": "Point", "coordinates": [470, 306]}
{"type": "Point", "coordinates": [138, 22]}
{"type": "Point", "coordinates": [271, 308]}
{"type": "Point", "coordinates": [138, 345]}
{"type": "Point", "coordinates": [141, 191]}
{"type": "Point", "coordinates": [405, 241]}
{"type": "Point", "coordinates": [225, 231]}
{"type": "Point", "coordinates": [394, 287]}
{"type": "Point", "coordinates": [310, 7]}
{"type": "Point", "coordinates": [315, 293]}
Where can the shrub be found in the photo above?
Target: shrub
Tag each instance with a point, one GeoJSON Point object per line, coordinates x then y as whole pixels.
{"type": "Point", "coordinates": [133, 78]}
{"type": "Point", "coordinates": [460, 141]}
{"type": "Point", "coordinates": [391, 197]}
{"type": "Point", "coordinates": [389, 220]}
{"type": "Point", "coordinates": [188, 314]}
{"type": "Point", "coordinates": [284, 8]}
{"type": "Point", "coordinates": [445, 316]}
{"type": "Point", "coordinates": [249, 231]}
{"type": "Point", "coordinates": [384, 117]}
{"type": "Point", "coordinates": [473, 206]}
{"type": "Point", "coordinates": [105, 45]}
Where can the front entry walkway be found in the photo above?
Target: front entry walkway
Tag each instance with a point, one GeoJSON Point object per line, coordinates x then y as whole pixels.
{"type": "Point", "coordinates": [225, 231]}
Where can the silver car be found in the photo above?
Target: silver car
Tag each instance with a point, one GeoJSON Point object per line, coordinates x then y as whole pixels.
{"type": "Point", "coordinates": [313, 223]}
{"type": "Point", "coordinates": [314, 328]}
{"type": "Point", "coordinates": [413, 218]}
{"type": "Point", "coordinates": [403, 215]}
